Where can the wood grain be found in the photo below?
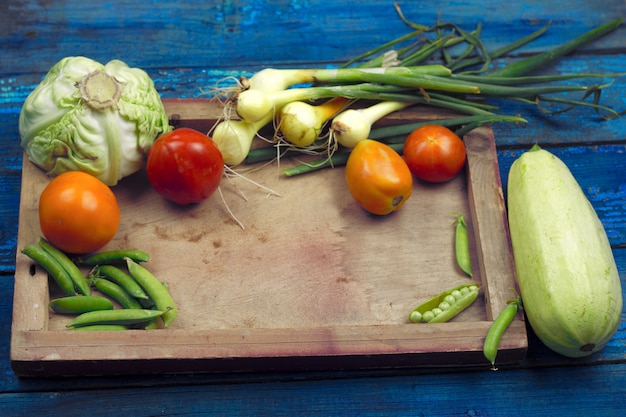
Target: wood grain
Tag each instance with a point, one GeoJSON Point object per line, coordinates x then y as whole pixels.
{"type": "Point", "coordinates": [188, 46]}
{"type": "Point", "coordinates": [236, 34]}
{"type": "Point", "coordinates": [309, 274]}
{"type": "Point", "coordinates": [490, 221]}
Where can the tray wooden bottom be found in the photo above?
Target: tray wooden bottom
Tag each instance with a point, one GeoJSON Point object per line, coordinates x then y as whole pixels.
{"type": "Point", "coordinates": [310, 282]}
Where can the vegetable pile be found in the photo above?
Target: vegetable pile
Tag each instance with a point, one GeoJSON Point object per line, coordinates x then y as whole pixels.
{"type": "Point", "coordinates": [144, 302]}
{"type": "Point", "coordinates": [105, 122]}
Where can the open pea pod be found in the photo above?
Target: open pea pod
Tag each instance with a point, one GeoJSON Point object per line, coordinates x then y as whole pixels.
{"type": "Point", "coordinates": [442, 307]}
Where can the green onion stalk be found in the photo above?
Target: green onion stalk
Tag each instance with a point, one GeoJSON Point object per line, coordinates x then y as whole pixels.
{"type": "Point", "coordinates": [404, 84]}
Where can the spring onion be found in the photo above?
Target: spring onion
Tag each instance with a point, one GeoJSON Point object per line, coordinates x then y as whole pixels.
{"type": "Point", "coordinates": [354, 125]}
{"type": "Point", "coordinates": [271, 79]}
{"type": "Point", "coordinates": [234, 138]}
{"type": "Point", "coordinates": [393, 80]}
{"type": "Point", "coordinates": [534, 62]}
{"type": "Point", "coordinates": [301, 123]}
{"type": "Point", "coordinates": [254, 105]}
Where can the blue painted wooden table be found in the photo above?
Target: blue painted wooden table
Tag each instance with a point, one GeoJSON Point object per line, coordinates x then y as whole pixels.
{"type": "Point", "coordinates": [188, 46]}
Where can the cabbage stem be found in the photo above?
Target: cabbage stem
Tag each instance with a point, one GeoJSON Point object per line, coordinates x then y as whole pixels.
{"type": "Point", "coordinates": [354, 125]}
{"type": "Point", "coordinates": [100, 90]}
{"type": "Point", "coordinates": [301, 123]}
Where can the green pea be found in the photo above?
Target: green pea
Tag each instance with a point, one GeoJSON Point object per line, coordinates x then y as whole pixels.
{"type": "Point", "coordinates": [152, 324]}
{"type": "Point", "coordinates": [415, 317]}
{"type": "Point", "coordinates": [116, 292]}
{"type": "Point", "coordinates": [123, 317]}
{"type": "Point", "coordinates": [115, 257]}
{"type": "Point", "coordinates": [52, 266]}
{"type": "Point", "coordinates": [428, 316]}
{"type": "Point", "coordinates": [101, 327]}
{"type": "Point", "coordinates": [445, 305]}
{"type": "Point", "coordinates": [121, 278]}
{"type": "Point", "coordinates": [77, 304]}
{"type": "Point", "coordinates": [80, 282]}
{"type": "Point", "coordinates": [155, 290]}
{"type": "Point", "coordinates": [497, 329]}
{"type": "Point", "coordinates": [450, 299]}
{"type": "Point", "coordinates": [462, 246]}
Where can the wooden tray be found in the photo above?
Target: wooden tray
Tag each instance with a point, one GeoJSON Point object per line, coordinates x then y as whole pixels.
{"type": "Point", "coordinates": [312, 282]}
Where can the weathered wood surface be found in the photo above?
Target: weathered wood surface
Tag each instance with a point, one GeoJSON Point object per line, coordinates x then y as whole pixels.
{"type": "Point", "coordinates": [307, 275]}
{"type": "Point", "coordinates": [186, 46]}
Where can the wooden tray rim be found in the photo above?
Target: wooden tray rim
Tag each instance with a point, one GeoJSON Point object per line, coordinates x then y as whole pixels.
{"type": "Point", "coordinates": [34, 351]}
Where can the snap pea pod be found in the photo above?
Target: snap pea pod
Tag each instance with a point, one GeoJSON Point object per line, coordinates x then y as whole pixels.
{"type": "Point", "coordinates": [114, 257]}
{"type": "Point", "coordinates": [155, 290]}
{"type": "Point", "coordinates": [116, 292]}
{"type": "Point", "coordinates": [77, 304]}
{"type": "Point", "coordinates": [462, 246]}
{"type": "Point", "coordinates": [52, 266]}
{"type": "Point", "coordinates": [101, 327]}
{"type": "Point", "coordinates": [445, 305]}
{"type": "Point", "coordinates": [123, 317]}
{"type": "Point", "coordinates": [121, 278]}
{"type": "Point", "coordinates": [497, 329]}
{"type": "Point", "coordinates": [153, 324]}
{"type": "Point", "coordinates": [80, 282]}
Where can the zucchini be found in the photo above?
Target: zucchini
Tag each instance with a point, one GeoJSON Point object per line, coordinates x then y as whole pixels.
{"type": "Point", "coordinates": [566, 272]}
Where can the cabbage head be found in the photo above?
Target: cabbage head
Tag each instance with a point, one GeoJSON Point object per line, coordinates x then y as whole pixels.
{"type": "Point", "coordinates": [85, 116]}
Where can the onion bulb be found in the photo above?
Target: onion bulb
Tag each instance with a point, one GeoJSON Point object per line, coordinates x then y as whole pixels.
{"type": "Point", "coordinates": [301, 123]}
{"type": "Point", "coordinates": [354, 125]}
{"type": "Point", "coordinates": [234, 138]}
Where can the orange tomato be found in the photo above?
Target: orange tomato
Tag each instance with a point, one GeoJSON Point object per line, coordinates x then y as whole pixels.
{"type": "Point", "coordinates": [78, 213]}
{"type": "Point", "coordinates": [378, 178]}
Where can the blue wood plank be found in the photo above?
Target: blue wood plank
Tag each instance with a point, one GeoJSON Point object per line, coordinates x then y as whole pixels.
{"type": "Point", "coordinates": [231, 34]}
{"type": "Point", "coordinates": [189, 45]}
{"type": "Point", "coordinates": [549, 392]}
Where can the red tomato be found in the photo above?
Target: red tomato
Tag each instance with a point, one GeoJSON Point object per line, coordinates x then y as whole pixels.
{"type": "Point", "coordinates": [185, 166]}
{"type": "Point", "coordinates": [377, 177]}
{"type": "Point", "coordinates": [78, 213]}
{"type": "Point", "coordinates": [434, 153]}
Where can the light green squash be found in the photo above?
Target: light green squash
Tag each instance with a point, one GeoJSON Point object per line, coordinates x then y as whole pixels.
{"type": "Point", "coordinates": [566, 271]}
